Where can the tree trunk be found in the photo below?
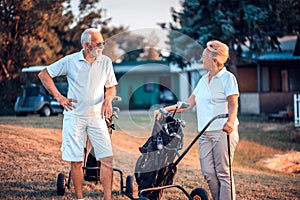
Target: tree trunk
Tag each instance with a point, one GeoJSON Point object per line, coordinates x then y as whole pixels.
{"type": "Point", "coordinates": [232, 63]}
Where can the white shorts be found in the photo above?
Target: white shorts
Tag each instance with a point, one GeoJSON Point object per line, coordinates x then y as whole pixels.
{"type": "Point", "coordinates": [73, 131]}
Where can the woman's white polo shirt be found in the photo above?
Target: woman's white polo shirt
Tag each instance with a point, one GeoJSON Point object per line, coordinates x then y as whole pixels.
{"type": "Point", "coordinates": [211, 98]}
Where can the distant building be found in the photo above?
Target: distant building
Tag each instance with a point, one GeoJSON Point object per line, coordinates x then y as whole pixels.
{"type": "Point", "coordinates": [143, 84]}
{"type": "Point", "coordinates": [268, 85]}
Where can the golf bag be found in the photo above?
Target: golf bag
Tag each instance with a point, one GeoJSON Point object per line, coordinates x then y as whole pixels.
{"type": "Point", "coordinates": [91, 165]}
{"type": "Point", "coordinates": [155, 167]}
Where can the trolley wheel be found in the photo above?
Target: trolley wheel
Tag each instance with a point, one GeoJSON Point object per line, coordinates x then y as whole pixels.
{"type": "Point", "coordinates": [199, 194]}
{"type": "Point", "coordinates": [61, 184]}
{"type": "Point", "coordinates": [129, 185]}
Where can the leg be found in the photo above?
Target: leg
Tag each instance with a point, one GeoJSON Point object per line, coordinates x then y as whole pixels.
{"type": "Point", "coordinates": [100, 139]}
{"type": "Point", "coordinates": [77, 178]}
{"type": "Point", "coordinates": [208, 166]}
{"type": "Point", "coordinates": [72, 149]}
{"type": "Point", "coordinates": [222, 164]}
{"type": "Point", "coordinates": [106, 176]}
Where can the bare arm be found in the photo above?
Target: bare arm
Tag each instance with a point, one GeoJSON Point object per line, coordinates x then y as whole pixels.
{"type": "Point", "coordinates": [232, 112]}
{"type": "Point", "coordinates": [191, 101]}
{"type": "Point", "coordinates": [50, 86]}
{"type": "Point", "coordinates": [106, 110]}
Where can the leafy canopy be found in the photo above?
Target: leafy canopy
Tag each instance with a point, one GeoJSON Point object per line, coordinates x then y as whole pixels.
{"type": "Point", "coordinates": [255, 24]}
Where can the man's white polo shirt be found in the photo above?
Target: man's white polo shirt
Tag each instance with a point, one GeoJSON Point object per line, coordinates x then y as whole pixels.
{"type": "Point", "coordinates": [211, 98]}
{"type": "Point", "coordinates": [86, 82]}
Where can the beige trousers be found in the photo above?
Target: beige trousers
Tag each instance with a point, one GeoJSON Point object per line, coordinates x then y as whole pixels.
{"type": "Point", "coordinates": [214, 160]}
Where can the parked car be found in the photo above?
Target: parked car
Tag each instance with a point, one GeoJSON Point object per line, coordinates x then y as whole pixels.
{"type": "Point", "coordinates": [36, 99]}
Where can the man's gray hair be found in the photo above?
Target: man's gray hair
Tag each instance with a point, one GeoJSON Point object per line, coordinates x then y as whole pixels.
{"type": "Point", "coordinates": [86, 36]}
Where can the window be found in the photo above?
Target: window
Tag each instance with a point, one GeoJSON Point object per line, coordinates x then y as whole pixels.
{"type": "Point", "coordinates": [284, 80]}
{"type": "Point", "coordinates": [149, 85]}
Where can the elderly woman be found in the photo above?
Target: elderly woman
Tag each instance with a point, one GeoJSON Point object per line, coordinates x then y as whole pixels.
{"type": "Point", "coordinates": [216, 93]}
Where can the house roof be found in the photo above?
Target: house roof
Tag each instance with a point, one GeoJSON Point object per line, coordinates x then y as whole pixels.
{"type": "Point", "coordinates": [289, 46]}
{"type": "Point", "coordinates": [145, 66]}
{"type": "Point", "coordinates": [139, 62]}
{"type": "Point", "coordinates": [278, 56]}
{"type": "Point", "coordinates": [154, 66]}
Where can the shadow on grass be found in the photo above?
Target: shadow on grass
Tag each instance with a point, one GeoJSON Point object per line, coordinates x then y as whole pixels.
{"type": "Point", "coordinates": [38, 190]}
{"type": "Point", "coordinates": [27, 190]}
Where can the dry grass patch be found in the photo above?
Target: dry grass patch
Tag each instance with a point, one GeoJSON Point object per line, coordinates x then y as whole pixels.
{"type": "Point", "coordinates": [30, 160]}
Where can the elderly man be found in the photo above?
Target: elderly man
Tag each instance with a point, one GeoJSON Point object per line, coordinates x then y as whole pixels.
{"type": "Point", "coordinates": [88, 72]}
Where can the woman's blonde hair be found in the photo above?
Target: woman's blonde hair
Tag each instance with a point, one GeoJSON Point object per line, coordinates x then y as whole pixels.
{"type": "Point", "coordinates": [218, 51]}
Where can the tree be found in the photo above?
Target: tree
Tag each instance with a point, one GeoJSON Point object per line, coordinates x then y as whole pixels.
{"type": "Point", "coordinates": [28, 34]}
{"type": "Point", "coordinates": [38, 32]}
{"type": "Point", "coordinates": [150, 52]}
{"type": "Point", "coordinates": [255, 24]}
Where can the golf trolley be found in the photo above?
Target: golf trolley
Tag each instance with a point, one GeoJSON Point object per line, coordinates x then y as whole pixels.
{"type": "Point", "coordinates": [156, 168]}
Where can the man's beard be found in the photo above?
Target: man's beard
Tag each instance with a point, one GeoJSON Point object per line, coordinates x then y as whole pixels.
{"type": "Point", "coordinates": [95, 52]}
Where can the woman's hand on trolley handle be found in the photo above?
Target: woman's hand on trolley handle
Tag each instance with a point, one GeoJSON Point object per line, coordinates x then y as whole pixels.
{"type": "Point", "coordinates": [228, 127]}
{"type": "Point", "coordinates": [157, 115]}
